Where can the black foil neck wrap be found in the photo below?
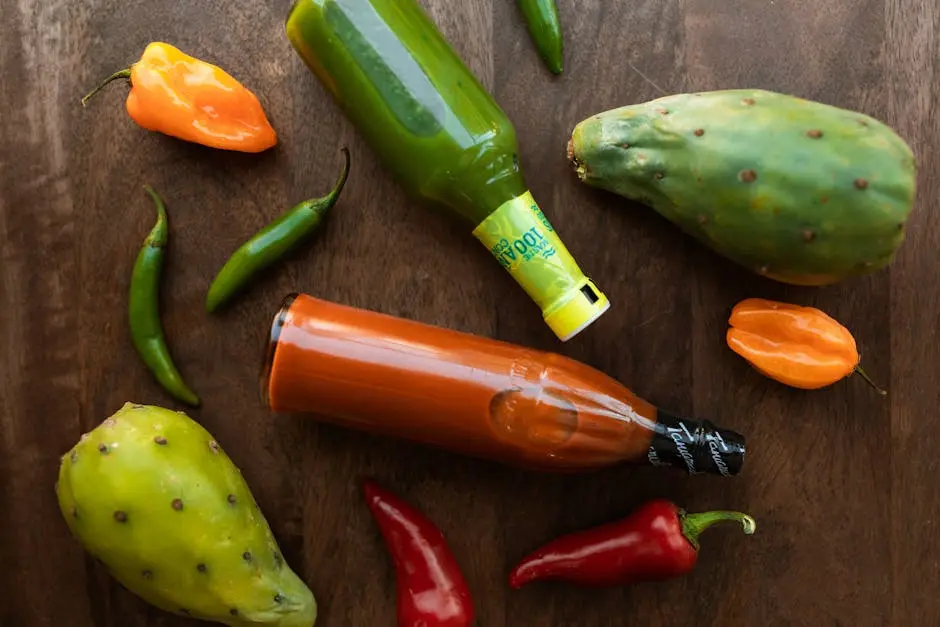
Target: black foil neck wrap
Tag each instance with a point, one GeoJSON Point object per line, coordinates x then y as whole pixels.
{"type": "Point", "coordinates": [696, 446]}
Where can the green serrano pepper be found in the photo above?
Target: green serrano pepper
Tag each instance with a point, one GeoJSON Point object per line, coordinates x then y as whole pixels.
{"type": "Point", "coordinates": [541, 16]}
{"type": "Point", "coordinates": [144, 308]}
{"type": "Point", "coordinates": [272, 243]}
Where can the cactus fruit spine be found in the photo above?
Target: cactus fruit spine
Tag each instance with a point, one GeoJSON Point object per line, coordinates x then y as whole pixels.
{"type": "Point", "coordinates": [795, 190]}
{"type": "Point", "coordinates": [152, 495]}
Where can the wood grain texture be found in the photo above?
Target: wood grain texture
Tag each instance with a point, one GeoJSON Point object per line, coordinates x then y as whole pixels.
{"type": "Point", "coordinates": [842, 482]}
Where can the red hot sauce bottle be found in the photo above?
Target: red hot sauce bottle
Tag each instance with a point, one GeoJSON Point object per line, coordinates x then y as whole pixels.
{"type": "Point", "coordinates": [474, 395]}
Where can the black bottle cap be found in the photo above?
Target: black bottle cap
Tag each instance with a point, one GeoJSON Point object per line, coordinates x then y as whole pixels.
{"type": "Point", "coordinates": [696, 446]}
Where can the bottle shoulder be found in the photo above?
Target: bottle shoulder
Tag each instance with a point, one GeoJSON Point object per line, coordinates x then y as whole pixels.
{"type": "Point", "coordinates": [477, 179]}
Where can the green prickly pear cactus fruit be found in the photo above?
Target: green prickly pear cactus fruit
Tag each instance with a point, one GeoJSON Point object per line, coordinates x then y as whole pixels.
{"type": "Point", "coordinates": [798, 191]}
{"type": "Point", "coordinates": [152, 495]}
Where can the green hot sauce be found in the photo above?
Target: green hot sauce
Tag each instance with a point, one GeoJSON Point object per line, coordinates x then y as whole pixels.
{"type": "Point", "coordinates": [442, 135]}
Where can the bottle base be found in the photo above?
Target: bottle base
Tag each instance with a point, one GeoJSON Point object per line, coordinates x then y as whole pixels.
{"type": "Point", "coordinates": [274, 336]}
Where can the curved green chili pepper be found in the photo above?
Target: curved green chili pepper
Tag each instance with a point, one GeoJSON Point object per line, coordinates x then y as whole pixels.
{"type": "Point", "coordinates": [541, 16]}
{"type": "Point", "coordinates": [272, 242]}
{"type": "Point", "coordinates": [144, 309]}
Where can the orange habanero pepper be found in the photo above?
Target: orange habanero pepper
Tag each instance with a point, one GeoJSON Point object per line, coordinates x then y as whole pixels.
{"type": "Point", "coordinates": [798, 346]}
{"type": "Point", "coordinates": [180, 96]}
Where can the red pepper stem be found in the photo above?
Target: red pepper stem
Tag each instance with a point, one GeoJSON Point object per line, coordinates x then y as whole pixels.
{"type": "Point", "coordinates": [125, 73]}
{"type": "Point", "coordinates": [694, 524]}
{"type": "Point", "coordinates": [865, 376]}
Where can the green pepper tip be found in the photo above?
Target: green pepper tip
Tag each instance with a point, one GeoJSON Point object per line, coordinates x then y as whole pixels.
{"type": "Point", "coordinates": [193, 400]}
{"type": "Point", "coordinates": [186, 395]}
{"type": "Point", "coordinates": [544, 25]}
{"type": "Point", "coordinates": [212, 298]}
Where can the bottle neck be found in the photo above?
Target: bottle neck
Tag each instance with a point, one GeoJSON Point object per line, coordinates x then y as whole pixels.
{"type": "Point", "coordinates": [695, 446]}
{"type": "Point", "coordinates": [484, 178]}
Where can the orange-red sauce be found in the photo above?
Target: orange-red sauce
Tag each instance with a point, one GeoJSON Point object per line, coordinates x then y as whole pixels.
{"type": "Point", "coordinates": [460, 392]}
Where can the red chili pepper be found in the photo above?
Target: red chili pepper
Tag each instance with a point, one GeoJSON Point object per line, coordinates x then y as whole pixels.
{"type": "Point", "coordinates": [656, 542]}
{"type": "Point", "coordinates": [432, 591]}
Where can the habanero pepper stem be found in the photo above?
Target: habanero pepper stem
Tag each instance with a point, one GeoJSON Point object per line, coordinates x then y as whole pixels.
{"type": "Point", "coordinates": [799, 346]}
{"type": "Point", "coordinates": [272, 243]}
{"type": "Point", "coordinates": [656, 542]}
{"type": "Point", "coordinates": [432, 591]}
{"type": "Point", "coordinates": [125, 74]}
{"type": "Point", "coordinates": [541, 18]}
{"type": "Point", "coordinates": [178, 95]}
{"type": "Point", "coordinates": [144, 311]}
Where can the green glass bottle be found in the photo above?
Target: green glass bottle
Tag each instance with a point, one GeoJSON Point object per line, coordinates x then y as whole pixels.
{"type": "Point", "coordinates": [442, 135]}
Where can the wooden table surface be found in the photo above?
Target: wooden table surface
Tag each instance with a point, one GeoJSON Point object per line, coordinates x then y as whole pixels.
{"type": "Point", "coordinates": [842, 482]}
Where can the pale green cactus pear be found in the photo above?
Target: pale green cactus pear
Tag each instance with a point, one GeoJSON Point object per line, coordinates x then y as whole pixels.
{"type": "Point", "coordinates": [795, 190]}
{"type": "Point", "coordinates": [152, 495]}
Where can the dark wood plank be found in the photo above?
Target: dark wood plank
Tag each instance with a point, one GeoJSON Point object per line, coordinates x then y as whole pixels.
{"type": "Point", "coordinates": [808, 485]}
{"type": "Point", "coordinates": [839, 480]}
{"type": "Point", "coordinates": [912, 70]}
{"type": "Point", "coordinates": [41, 359]}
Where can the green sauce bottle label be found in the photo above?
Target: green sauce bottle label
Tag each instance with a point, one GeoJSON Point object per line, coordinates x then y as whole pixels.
{"type": "Point", "coordinates": [524, 242]}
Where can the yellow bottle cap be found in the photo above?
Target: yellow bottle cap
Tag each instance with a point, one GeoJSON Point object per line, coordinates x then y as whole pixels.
{"type": "Point", "coordinates": [583, 306]}
{"type": "Point", "coordinates": [525, 243]}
